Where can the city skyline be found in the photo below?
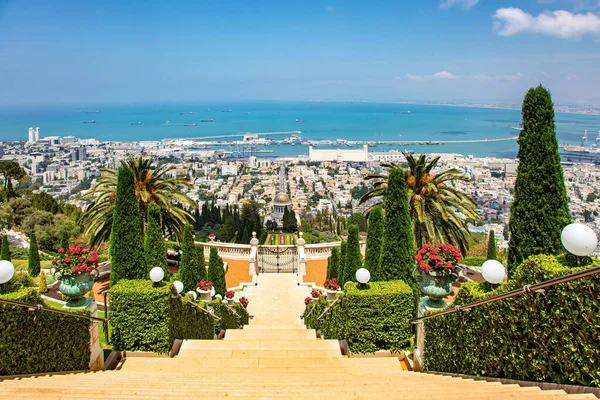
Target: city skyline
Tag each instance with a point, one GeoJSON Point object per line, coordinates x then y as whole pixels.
{"type": "Point", "coordinates": [451, 50]}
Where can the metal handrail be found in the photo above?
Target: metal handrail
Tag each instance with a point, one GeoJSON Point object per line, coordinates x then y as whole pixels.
{"type": "Point", "coordinates": [40, 307]}
{"type": "Point", "coordinates": [179, 296]}
{"type": "Point", "coordinates": [329, 307]}
{"type": "Point", "coordinates": [538, 287]}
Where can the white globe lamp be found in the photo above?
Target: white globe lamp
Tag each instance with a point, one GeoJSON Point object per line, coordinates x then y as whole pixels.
{"type": "Point", "coordinates": [579, 239]}
{"type": "Point", "coordinates": [493, 271]}
{"type": "Point", "coordinates": [193, 294]}
{"type": "Point", "coordinates": [178, 286]}
{"type": "Point", "coordinates": [7, 270]}
{"type": "Point", "coordinates": [157, 274]}
{"type": "Point", "coordinates": [363, 276]}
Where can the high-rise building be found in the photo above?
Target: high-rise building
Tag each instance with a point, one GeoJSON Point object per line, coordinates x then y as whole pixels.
{"type": "Point", "coordinates": [34, 135]}
{"type": "Point", "coordinates": [78, 153]}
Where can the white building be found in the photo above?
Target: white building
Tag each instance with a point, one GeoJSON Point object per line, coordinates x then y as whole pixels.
{"type": "Point", "coordinates": [230, 169]}
{"type": "Point", "coordinates": [34, 135]}
{"type": "Point", "coordinates": [339, 155]}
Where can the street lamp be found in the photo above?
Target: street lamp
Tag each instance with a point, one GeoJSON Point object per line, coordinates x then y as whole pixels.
{"type": "Point", "coordinates": [193, 294]}
{"type": "Point", "coordinates": [178, 286]}
{"type": "Point", "coordinates": [156, 275]}
{"type": "Point", "coordinates": [580, 241]}
{"type": "Point", "coordinates": [493, 272]}
{"type": "Point", "coordinates": [363, 276]}
{"type": "Point", "coordinates": [7, 270]}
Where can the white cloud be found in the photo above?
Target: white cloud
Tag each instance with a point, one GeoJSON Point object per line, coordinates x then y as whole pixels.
{"type": "Point", "coordinates": [443, 75]}
{"type": "Point", "coordinates": [437, 76]}
{"type": "Point", "coordinates": [514, 77]}
{"type": "Point", "coordinates": [560, 23]}
{"type": "Point", "coordinates": [572, 77]}
{"type": "Point", "coordinates": [449, 75]}
{"type": "Point", "coordinates": [466, 4]}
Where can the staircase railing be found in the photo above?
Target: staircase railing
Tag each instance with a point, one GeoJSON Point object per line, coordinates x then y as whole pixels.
{"type": "Point", "coordinates": [40, 307]}
{"type": "Point", "coordinates": [527, 289]}
{"type": "Point", "coordinates": [197, 306]}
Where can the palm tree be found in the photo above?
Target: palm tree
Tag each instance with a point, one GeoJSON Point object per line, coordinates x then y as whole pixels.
{"type": "Point", "coordinates": [151, 186]}
{"type": "Point", "coordinates": [435, 204]}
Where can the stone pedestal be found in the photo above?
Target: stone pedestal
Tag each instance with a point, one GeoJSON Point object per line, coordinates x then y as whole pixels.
{"type": "Point", "coordinates": [96, 353]}
{"type": "Point", "coordinates": [419, 351]}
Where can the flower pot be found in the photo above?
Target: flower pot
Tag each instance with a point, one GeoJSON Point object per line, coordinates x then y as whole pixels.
{"type": "Point", "coordinates": [205, 295]}
{"type": "Point", "coordinates": [76, 286]}
{"type": "Point", "coordinates": [231, 302]}
{"type": "Point", "coordinates": [331, 294]}
{"type": "Point", "coordinates": [436, 288]}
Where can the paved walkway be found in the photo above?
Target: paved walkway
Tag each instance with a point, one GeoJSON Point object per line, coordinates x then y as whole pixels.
{"type": "Point", "coordinates": [277, 300]}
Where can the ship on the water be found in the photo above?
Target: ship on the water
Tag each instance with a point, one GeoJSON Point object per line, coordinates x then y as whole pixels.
{"type": "Point", "coordinates": [207, 120]}
{"type": "Point", "coordinates": [89, 122]}
{"type": "Point", "coordinates": [226, 111]}
{"type": "Point", "coordinates": [136, 123]}
{"type": "Point", "coordinates": [402, 112]}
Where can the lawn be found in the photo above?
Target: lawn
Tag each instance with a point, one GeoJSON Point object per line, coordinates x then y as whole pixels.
{"type": "Point", "coordinates": [280, 239]}
{"type": "Point", "coordinates": [21, 266]}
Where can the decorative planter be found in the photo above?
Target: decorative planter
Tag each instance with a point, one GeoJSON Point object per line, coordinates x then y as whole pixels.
{"type": "Point", "coordinates": [231, 302]}
{"type": "Point", "coordinates": [436, 288]}
{"type": "Point", "coordinates": [76, 286]}
{"type": "Point", "coordinates": [331, 294]}
{"type": "Point", "coordinates": [205, 295]}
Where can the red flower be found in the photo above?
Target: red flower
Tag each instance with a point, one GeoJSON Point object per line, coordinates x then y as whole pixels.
{"type": "Point", "coordinates": [61, 250]}
{"type": "Point", "coordinates": [230, 294]}
{"type": "Point", "coordinates": [205, 284]}
{"type": "Point", "coordinates": [54, 262]}
{"type": "Point", "coordinates": [81, 259]}
{"type": "Point", "coordinates": [307, 300]}
{"type": "Point", "coordinates": [244, 301]}
{"type": "Point", "coordinates": [315, 294]}
{"type": "Point", "coordinates": [85, 251]}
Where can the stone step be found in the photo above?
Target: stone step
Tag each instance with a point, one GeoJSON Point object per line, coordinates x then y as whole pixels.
{"type": "Point", "coordinates": [259, 344]}
{"type": "Point", "coordinates": [235, 354]}
{"type": "Point", "coordinates": [279, 334]}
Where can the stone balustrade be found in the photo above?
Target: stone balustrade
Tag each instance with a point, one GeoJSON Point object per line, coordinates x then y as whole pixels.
{"type": "Point", "coordinates": [232, 251]}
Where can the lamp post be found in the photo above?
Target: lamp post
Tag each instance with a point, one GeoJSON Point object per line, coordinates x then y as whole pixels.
{"type": "Point", "coordinates": [7, 270]}
{"type": "Point", "coordinates": [156, 275]}
{"type": "Point", "coordinates": [362, 276]}
{"type": "Point", "coordinates": [580, 241]}
{"type": "Point", "coordinates": [178, 286]}
{"type": "Point", "coordinates": [493, 272]}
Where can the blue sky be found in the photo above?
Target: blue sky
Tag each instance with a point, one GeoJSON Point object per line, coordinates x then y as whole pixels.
{"type": "Point", "coordinates": [63, 51]}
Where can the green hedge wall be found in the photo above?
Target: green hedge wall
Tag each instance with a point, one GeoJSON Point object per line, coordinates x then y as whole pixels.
{"type": "Point", "coordinates": [556, 339]}
{"type": "Point", "coordinates": [36, 342]}
{"type": "Point", "coordinates": [370, 320]}
{"type": "Point", "coordinates": [231, 317]}
{"type": "Point", "coordinates": [147, 318]}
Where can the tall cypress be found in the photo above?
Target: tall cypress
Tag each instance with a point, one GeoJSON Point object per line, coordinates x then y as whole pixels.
{"type": "Point", "coordinates": [374, 240]}
{"type": "Point", "coordinates": [189, 271]}
{"type": "Point", "coordinates": [342, 263]}
{"type": "Point", "coordinates": [491, 250]}
{"type": "Point", "coordinates": [154, 248]}
{"type": "Point", "coordinates": [216, 273]}
{"type": "Point", "coordinates": [126, 239]}
{"type": "Point", "coordinates": [332, 270]}
{"type": "Point", "coordinates": [33, 268]}
{"type": "Point", "coordinates": [398, 247]}
{"type": "Point", "coordinates": [540, 209]}
{"type": "Point", "coordinates": [64, 240]}
{"type": "Point", "coordinates": [5, 251]}
{"type": "Point", "coordinates": [353, 256]}
{"type": "Point", "coordinates": [202, 273]}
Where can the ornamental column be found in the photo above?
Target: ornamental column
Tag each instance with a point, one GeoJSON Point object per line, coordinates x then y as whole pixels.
{"type": "Point", "coordinates": [301, 258]}
{"type": "Point", "coordinates": [253, 265]}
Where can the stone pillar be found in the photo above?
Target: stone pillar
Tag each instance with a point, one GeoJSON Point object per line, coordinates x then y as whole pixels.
{"type": "Point", "coordinates": [253, 256]}
{"type": "Point", "coordinates": [301, 258]}
{"type": "Point", "coordinates": [96, 353]}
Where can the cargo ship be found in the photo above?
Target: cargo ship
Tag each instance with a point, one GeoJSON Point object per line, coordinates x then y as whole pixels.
{"type": "Point", "coordinates": [89, 122]}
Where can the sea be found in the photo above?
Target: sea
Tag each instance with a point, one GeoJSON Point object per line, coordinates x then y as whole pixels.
{"type": "Point", "coordinates": [316, 121]}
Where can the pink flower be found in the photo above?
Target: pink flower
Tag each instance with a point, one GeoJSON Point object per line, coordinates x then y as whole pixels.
{"type": "Point", "coordinates": [61, 250]}
{"type": "Point", "coordinates": [68, 260]}
{"type": "Point", "coordinates": [81, 259]}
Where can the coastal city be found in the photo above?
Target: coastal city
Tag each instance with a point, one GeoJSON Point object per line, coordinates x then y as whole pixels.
{"type": "Point", "coordinates": [329, 181]}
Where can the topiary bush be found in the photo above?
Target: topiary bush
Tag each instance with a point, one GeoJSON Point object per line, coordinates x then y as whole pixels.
{"type": "Point", "coordinates": [33, 266]}
{"type": "Point", "coordinates": [554, 339]}
{"type": "Point", "coordinates": [147, 318]}
{"type": "Point", "coordinates": [216, 271]}
{"type": "Point", "coordinates": [37, 342]}
{"type": "Point", "coordinates": [43, 287]}
{"type": "Point", "coordinates": [370, 319]}
{"type": "Point", "coordinates": [5, 250]}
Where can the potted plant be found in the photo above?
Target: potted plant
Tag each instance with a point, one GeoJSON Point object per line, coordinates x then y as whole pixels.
{"type": "Point", "coordinates": [77, 269]}
{"type": "Point", "coordinates": [230, 296]}
{"type": "Point", "coordinates": [315, 294]}
{"type": "Point", "coordinates": [437, 267]}
{"type": "Point", "coordinates": [331, 288]}
{"type": "Point", "coordinates": [211, 236]}
{"type": "Point", "coordinates": [344, 236]}
{"type": "Point", "coordinates": [244, 301]}
{"type": "Point", "coordinates": [307, 300]}
{"type": "Point", "coordinates": [204, 287]}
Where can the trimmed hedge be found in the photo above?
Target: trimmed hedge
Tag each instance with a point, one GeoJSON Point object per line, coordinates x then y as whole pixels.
{"type": "Point", "coordinates": [147, 318]}
{"type": "Point", "coordinates": [554, 339]}
{"type": "Point", "coordinates": [370, 320]}
{"type": "Point", "coordinates": [37, 342]}
{"type": "Point", "coordinates": [231, 317]}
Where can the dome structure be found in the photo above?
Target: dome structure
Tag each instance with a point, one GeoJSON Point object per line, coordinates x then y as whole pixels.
{"type": "Point", "coordinates": [282, 199]}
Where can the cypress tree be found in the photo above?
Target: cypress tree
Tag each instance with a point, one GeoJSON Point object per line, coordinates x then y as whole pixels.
{"type": "Point", "coordinates": [5, 251]}
{"type": "Point", "coordinates": [540, 209]}
{"type": "Point", "coordinates": [64, 240]}
{"type": "Point", "coordinates": [353, 256]}
{"type": "Point", "coordinates": [491, 250]}
{"type": "Point", "coordinates": [216, 273]}
{"type": "Point", "coordinates": [332, 271]}
{"type": "Point", "coordinates": [202, 273]}
{"type": "Point", "coordinates": [126, 239]}
{"type": "Point", "coordinates": [374, 239]}
{"type": "Point", "coordinates": [342, 263]}
{"type": "Point", "coordinates": [154, 248]}
{"type": "Point", "coordinates": [189, 270]}
{"type": "Point", "coordinates": [398, 247]}
{"type": "Point", "coordinates": [33, 267]}
{"type": "Point", "coordinates": [328, 268]}
{"type": "Point", "coordinates": [246, 235]}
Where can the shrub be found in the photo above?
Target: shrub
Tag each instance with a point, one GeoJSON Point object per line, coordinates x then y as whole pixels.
{"type": "Point", "coordinates": [372, 319]}
{"type": "Point", "coordinates": [33, 266]}
{"type": "Point", "coordinates": [231, 317]}
{"type": "Point", "coordinates": [333, 262]}
{"type": "Point", "coordinates": [147, 318]}
{"type": "Point", "coordinates": [540, 209]}
{"type": "Point", "coordinates": [353, 256]}
{"type": "Point", "coordinates": [43, 287]}
{"type": "Point", "coordinates": [374, 239]}
{"type": "Point", "coordinates": [189, 270]}
{"type": "Point", "coordinates": [554, 339]}
{"type": "Point", "coordinates": [126, 240]}
{"type": "Point", "coordinates": [5, 251]}
{"type": "Point", "coordinates": [18, 281]}
{"type": "Point", "coordinates": [342, 262]}
{"type": "Point", "coordinates": [29, 344]}
{"type": "Point", "coordinates": [491, 250]}
{"type": "Point", "coordinates": [216, 272]}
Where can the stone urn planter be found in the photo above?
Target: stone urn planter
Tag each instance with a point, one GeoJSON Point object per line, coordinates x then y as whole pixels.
{"type": "Point", "coordinates": [231, 302]}
{"type": "Point", "coordinates": [75, 286]}
{"type": "Point", "coordinates": [331, 294]}
{"type": "Point", "coordinates": [205, 295]}
{"type": "Point", "coordinates": [436, 288]}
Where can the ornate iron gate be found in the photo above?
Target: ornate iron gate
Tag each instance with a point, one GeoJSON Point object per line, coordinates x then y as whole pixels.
{"type": "Point", "coordinates": [277, 259]}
